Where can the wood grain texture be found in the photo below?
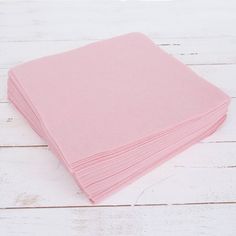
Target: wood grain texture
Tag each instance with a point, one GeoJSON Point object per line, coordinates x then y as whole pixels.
{"type": "Point", "coordinates": [191, 51]}
{"type": "Point", "coordinates": [193, 220]}
{"type": "Point", "coordinates": [70, 20]}
{"type": "Point", "coordinates": [193, 194]}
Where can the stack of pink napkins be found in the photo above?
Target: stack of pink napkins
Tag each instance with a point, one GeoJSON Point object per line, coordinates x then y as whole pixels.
{"type": "Point", "coordinates": [113, 110]}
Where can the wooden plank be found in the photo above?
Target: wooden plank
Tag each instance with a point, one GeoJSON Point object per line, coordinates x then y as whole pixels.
{"type": "Point", "coordinates": [193, 194]}
{"type": "Point", "coordinates": [14, 129]}
{"type": "Point", "coordinates": [196, 220]}
{"type": "Point", "coordinates": [215, 50]}
{"type": "Point", "coordinates": [3, 85]}
{"type": "Point", "coordinates": [33, 177]}
{"type": "Point", "coordinates": [66, 20]}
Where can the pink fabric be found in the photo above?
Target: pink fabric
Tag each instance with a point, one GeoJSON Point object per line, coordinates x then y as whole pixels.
{"type": "Point", "coordinates": [115, 109]}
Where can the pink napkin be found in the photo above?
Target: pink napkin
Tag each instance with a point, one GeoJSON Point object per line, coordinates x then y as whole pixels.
{"type": "Point", "coordinates": [115, 109]}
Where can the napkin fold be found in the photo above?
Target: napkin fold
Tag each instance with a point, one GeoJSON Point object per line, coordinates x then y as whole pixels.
{"type": "Point", "coordinates": [113, 110]}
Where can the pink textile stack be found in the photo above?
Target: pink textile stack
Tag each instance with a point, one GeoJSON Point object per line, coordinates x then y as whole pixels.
{"type": "Point", "coordinates": [113, 110]}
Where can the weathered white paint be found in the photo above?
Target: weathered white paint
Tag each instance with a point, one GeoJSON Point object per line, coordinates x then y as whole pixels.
{"type": "Point", "coordinates": [200, 33]}
{"type": "Point", "coordinates": [215, 50]}
{"type": "Point", "coordinates": [69, 20]}
{"type": "Point", "coordinates": [193, 220]}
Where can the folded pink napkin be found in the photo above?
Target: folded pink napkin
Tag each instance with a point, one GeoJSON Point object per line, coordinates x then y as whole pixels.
{"type": "Point", "coordinates": [115, 109]}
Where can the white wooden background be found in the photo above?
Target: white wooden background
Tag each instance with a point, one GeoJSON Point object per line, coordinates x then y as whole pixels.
{"type": "Point", "coordinates": [193, 194]}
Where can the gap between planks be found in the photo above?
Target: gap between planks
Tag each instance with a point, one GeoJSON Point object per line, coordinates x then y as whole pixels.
{"type": "Point", "coordinates": [122, 205]}
{"type": "Point", "coordinates": [46, 146]}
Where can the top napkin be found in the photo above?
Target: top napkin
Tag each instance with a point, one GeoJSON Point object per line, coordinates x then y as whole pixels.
{"type": "Point", "coordinates": [111, 93]}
